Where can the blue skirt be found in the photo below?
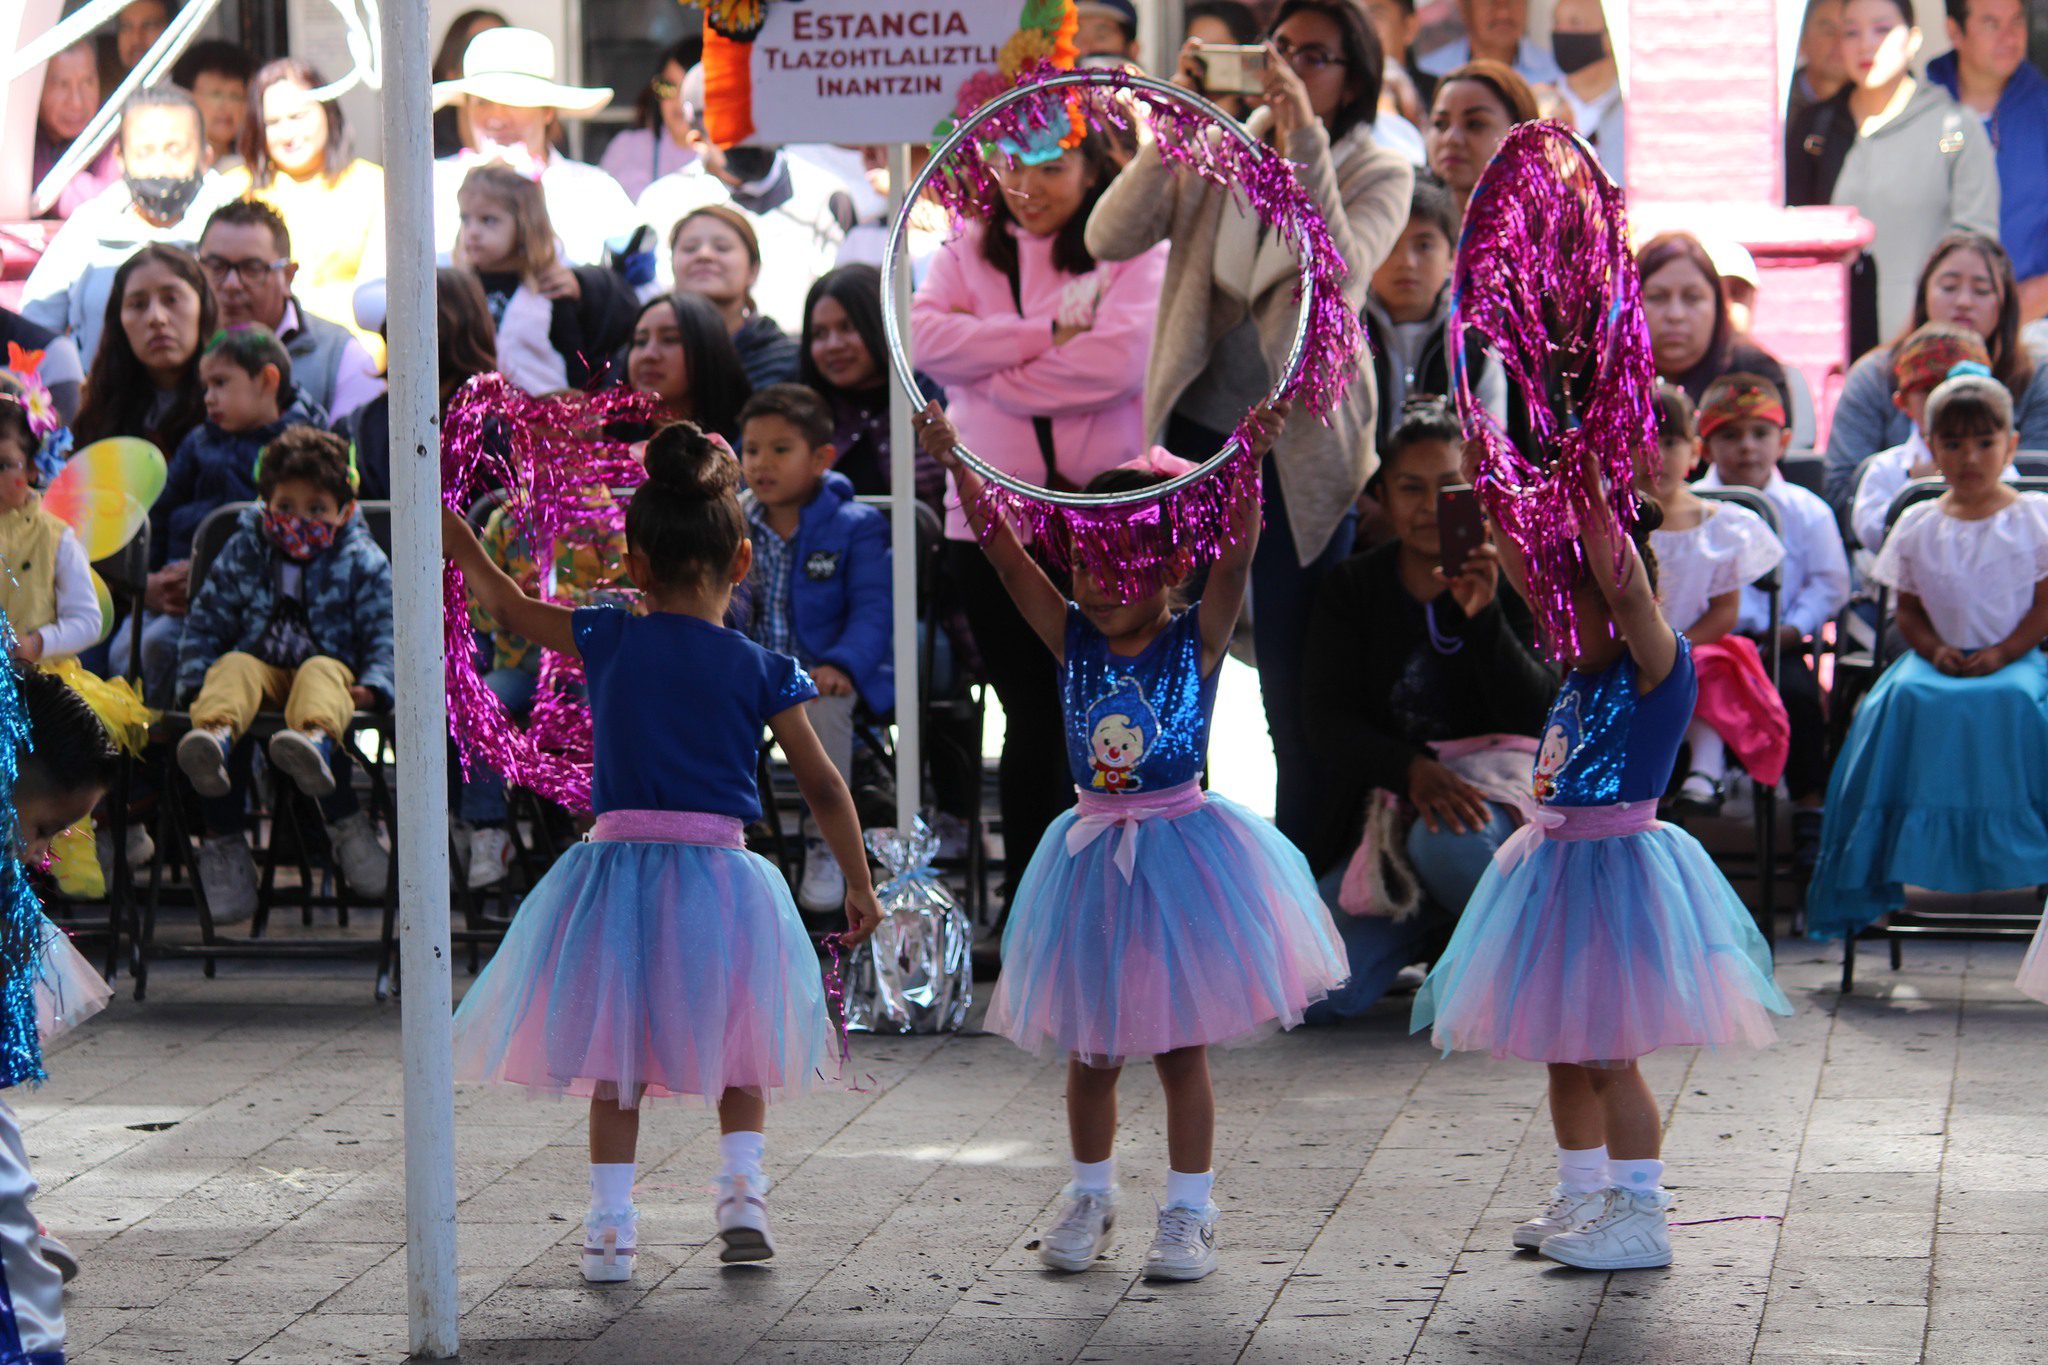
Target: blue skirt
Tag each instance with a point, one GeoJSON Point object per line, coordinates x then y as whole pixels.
{"type": "Point", "coordinates": [1602, 950]}
{"type": "Point", "coordinates": [1217, 933]}
{"type": "Point", "coordinates": [1943, 783]}
{"type": "Point", "coordinates": [656, 968]}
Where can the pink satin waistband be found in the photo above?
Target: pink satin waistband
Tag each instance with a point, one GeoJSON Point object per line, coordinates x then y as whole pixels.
{"type": "Point", "coordinates": [668, 827]}
{"type": "Point", "coordinates": [1097, 815]}
{"type": "Point", "coordinates": [1573, 823]}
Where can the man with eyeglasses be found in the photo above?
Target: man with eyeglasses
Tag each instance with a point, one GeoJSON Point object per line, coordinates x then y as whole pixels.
{"type": "Point", "coordinates": [166, 190]}
{"type": "Point", "coordinates": [246, 253]}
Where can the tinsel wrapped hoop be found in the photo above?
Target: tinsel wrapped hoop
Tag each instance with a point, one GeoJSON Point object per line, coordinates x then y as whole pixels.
{"type": "Point", "coordinates": [1546, 281]}
{"type": "Point", "coordinates": [1128, 540]}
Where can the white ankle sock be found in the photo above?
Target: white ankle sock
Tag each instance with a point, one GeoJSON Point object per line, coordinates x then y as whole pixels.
{"type": "Point", "coordinates": [740, 1153]}
{"type": "Point", "coordinates": [1637, 1177]}
{"type": "Point", "coordinates": [1709, 754]}
{"type": "Point", "coordinates": [1185, 1191]}
{"type": "Point", "coordinates": [1584, 1170]}
{"type": "Point", "coordinates": [611, 1186]}
{"type": "Point", "coordinates": [1095, 1177]}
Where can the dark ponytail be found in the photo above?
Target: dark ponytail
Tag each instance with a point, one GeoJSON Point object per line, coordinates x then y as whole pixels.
{"type": "Point", "coordinates": [70, 750]}
{"type": "Point", "coordinates": [686, 519]}
{"type": "Point", "coordinates": [1649, 517]}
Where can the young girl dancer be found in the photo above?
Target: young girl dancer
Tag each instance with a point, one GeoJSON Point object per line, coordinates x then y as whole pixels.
{"type": "Point", "coordinates": [658, 957]}
{"type": "Point", "coordinates": [1943, 779]}
{"type": "Point", "coordinates": [1154, 919]}
{"type": "Point", "coordinates": [1707, 553]}
{"type": "Point", "coordinates": [1600, 935]}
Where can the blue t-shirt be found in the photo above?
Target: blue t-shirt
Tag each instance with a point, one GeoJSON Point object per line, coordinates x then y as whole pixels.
{"type": "Point", "coordinates": [1605, 743]}
{"type": "Point", "coordinates": [1139, 724]}
{"type": "Point", "coordinates": [676, 710]}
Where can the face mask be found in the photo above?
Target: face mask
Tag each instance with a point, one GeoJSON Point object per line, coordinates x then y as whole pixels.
{"type": "Point", "coordinates": [162, 197]}
{"type": "Point", "coordinates": [1577, 51]}
{"type": "Point", "coordinates": [299, 537]}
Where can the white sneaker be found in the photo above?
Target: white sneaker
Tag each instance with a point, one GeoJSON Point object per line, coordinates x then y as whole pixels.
{"type": "Point", "coordinates": [203, 758]}
{"type": "Point", "coordinates": [227, 873]}
{"type": "Point", "coordinates": [610, 1246]}
{"type": "Point", "coordinates": [302, 755]}
{"type": "Point", "coordinates": [1184, 1247]}
{"type": "Point", "coordinates": [361, 854]}
{"type": "Point", "coordinates": [141, 849]}
{"type": "Point", "coordinates": [743, 1219]}
{"type": "Point", "coordinates": [1628, 1231]}
{"type": "Point", "coordinates": [1566, 1211]}
{"type": "Point", "coordinates": [823, 887]}
{"type": "Point", "coordinates": [1082, 1232]}
{"type": "Point", "coordinates": [490, 856]}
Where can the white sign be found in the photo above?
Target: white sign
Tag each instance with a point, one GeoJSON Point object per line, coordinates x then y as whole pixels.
{"type": "Point", "coordinates": [859, 71]}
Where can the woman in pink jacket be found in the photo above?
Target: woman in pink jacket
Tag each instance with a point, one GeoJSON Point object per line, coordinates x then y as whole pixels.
{"type": "Point", "coordinates": [1042, 352]}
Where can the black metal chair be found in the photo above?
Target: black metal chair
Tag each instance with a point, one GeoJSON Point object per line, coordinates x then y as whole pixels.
{"type": "Point", "coordinates": [291, 820]}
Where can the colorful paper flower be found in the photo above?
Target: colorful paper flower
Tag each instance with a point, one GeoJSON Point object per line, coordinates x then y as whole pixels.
{"type": "Point", "coordinates": [1025, 47]}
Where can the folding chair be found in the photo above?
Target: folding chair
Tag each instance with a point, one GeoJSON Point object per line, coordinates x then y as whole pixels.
{"type": "Point", "coordinates": [286, 815]}
{"type": "Point", "coordinates": [1939, 925]}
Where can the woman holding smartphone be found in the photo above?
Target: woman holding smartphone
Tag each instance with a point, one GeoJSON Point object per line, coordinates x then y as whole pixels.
{"type": "Point", "coordinates": [1227, 319]}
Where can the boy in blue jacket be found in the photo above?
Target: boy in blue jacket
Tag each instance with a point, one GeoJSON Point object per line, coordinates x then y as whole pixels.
{"type": "Point", "coordinates": [820, 584]}
{"type": "Point", "coordinates": [295, 612]}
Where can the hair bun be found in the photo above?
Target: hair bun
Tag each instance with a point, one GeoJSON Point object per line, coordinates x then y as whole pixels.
{"type": "Point", "coordinates": [682, 460]}
{"type": "Point", "coordinates": [1649, 515]}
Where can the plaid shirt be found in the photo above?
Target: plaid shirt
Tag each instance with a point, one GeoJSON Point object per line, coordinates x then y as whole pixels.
{"type": "Point", "coordinates": [771, 627]}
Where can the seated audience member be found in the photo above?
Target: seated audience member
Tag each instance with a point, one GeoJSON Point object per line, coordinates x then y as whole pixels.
{"type": "Point", "coordinates": [71, 96]}
{"type": "Point", "coordinates": [1943, 779]}
{"type": "Point", "coordinates": [512, 105]}
{"type": "Point", "coordinates": [1474, 107]}
{"type": "Point", "coordinates": [820, 585]}
{"type": "Point", "coordinates": [1707, 553]}
{"type": "Point", "coordinates": [1968, 280]}
{"type": "Point", "coordinates": [664, 137]}
{"type": "Point", "coordinates": [717, 256]}
{"type": "Point", "coordinates": [451, 126]}
{"type": "Point", "coordinates": [294, 613]}
{"type": "Point", "coordinates": [1742, 420]}
{"type": "Point", "coordinates": [842, 357]}
{"type": "Point", "coordinates": [556, 324]}
{"type": "Point", "coordinates": [1424, 700]}
{"type": "Point", "coordinates": [1408, 309]}
{"type": "Point", "coordinates": [1591, 85]}
{"type": "Point", "coordinates": [58, 369]}
{"type": "Point", "coordinates": [1495, 31]}
{"type": "Point", "coordinates": [1899, 151]}
{"type": "Point", "coordinates": [1987, 72]}
{"type": "Point", "coordinates": [682, 354]}
{"type": "Point", "coordinates": [1935, 353]}
{"type": "Point", "coordinates": [299, 161]}
{"type": "Point", "coordinates": [797, 213]}
{"type": "Point", "coordinates": [164, 196]}
{"type": "Point", "coordinates": [217, 73]}
{"type": "Point", "coordinates": [468, 347]}
{"type": "Point", "coordinates": [246, 252]}
{"type": "Point", "coordinates": [1692, 340]}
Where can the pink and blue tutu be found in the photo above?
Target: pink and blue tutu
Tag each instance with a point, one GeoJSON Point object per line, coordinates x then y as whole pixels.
{"type": "Point", "coordinates": [657, 958]}
{"type": "Point", "coordinates": [1157, 921]}
{"type": "Point", "coordinates": [1600, 935]}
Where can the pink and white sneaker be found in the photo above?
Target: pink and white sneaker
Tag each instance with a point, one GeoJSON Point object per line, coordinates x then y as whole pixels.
{"type": "Point", "coordinates": [743, 1219]}
{"type": "Point", "coordinates": [610, 1245]}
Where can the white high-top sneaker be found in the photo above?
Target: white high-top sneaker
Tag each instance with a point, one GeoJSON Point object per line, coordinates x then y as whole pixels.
{"type": "Point", "coordinates": [1628, 1231]}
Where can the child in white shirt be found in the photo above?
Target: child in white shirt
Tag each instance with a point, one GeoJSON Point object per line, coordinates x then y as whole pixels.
{"type": "Point", "coordinates": [1936, 352]}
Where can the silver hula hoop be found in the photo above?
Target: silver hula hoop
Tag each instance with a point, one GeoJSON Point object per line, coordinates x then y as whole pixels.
{"type": "Point", "coordinates": [892, 259]}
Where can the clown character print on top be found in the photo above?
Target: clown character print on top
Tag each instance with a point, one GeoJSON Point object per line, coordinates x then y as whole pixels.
{"type": "Point", "coordinates": [1137, 724]}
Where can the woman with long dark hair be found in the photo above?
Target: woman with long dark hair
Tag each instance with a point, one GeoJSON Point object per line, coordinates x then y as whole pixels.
{"type": "Point", "coordinates": [1691, 339]}
{"type": "Point", "coordinates": [682, 353]}
{"type": "Point", "coordinates": [144, 379]}
{"type": "Point", "coordinates": [1967, 282]}
{"type": "Point", "coordinates": [842, 355]}
{"type": "Point", "coordinates": [468, 348]}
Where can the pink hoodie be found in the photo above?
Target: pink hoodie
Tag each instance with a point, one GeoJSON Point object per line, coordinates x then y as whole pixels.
{"type": "Point", "coordinates": [1000, 369]}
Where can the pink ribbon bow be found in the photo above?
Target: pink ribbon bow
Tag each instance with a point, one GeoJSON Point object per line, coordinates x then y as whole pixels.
{"type": "Point", "coordinates": [1099, 815]}
{"type": "Point", "coordinates": [1574, 823]}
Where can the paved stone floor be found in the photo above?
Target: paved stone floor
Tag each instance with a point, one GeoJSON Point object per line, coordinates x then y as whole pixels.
{"type": "Point", "coordinates": [227, 1160]}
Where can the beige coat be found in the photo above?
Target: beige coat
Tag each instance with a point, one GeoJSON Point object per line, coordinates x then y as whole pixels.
{"type": "Point", "coordinates": [1217, 273]}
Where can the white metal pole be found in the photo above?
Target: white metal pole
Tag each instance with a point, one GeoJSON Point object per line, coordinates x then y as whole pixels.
{"type": "Point", "coordinates": [903, 512]}
{"type": "Point", "coordinates": [421, 691]}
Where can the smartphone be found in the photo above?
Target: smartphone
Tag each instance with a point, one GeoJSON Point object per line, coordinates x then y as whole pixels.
{"type": "Point", "coordinates": [1230, 69]}
{"type": "Point", "coordinates": [1460, 526]}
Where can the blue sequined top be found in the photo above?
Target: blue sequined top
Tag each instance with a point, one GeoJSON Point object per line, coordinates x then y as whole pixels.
{"type": "Point", "coordinates": [1605, 743]}
{"type": "Point", "coordinates": [1139, 724]}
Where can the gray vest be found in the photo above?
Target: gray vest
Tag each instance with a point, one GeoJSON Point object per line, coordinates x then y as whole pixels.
{"type": "Point", "coordinates": [316, 349]}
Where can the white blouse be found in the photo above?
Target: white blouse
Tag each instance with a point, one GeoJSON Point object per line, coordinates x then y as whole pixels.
{"type": "Point", "coordinates": [1730, 549]}
{"type": "Point", "coordinates": [1976, 578]}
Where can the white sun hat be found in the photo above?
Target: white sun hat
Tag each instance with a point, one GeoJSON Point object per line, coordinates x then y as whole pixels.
{"type": "Point", "coordinates": [516, 66]}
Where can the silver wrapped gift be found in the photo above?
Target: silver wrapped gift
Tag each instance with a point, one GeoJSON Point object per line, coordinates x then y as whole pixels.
{"type": "Point", "coordinates": [916, 975]}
